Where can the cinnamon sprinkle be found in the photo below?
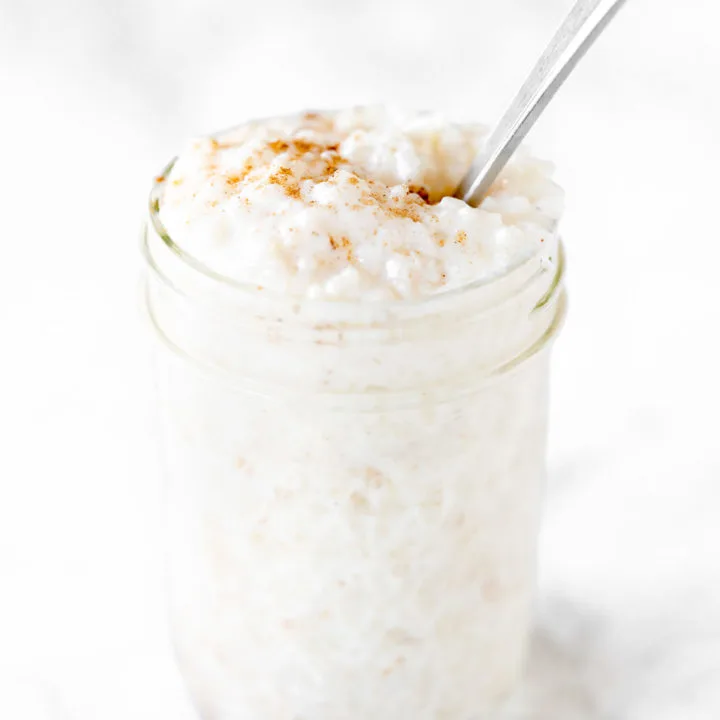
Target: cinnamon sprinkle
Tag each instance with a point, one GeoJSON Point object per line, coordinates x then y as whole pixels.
{"type": "Point", "coordinates": [284, 178]}
{"type": "Point", "coordinates": [345, 243]}
{"type": "Point", "coordinates": [237, 178]}
{"type": "Point", "coordinates": [421, 191]}
{"type": "Point", "coordinates": [404, 212]}
{"type": "Point", "coordinates": [278, 146]}
{"type": "Point", "coordinates": [305, 146]}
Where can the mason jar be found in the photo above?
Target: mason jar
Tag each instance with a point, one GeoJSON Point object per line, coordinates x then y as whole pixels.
{"type": "Point", "coordinates": [353, 489]}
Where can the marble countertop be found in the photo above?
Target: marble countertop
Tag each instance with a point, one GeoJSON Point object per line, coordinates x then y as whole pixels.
{"type": "Point", "coordinates": [100, 95]}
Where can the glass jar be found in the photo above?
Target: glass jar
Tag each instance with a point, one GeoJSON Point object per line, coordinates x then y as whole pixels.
{"type": "Point", "coordinates": [354, 490]}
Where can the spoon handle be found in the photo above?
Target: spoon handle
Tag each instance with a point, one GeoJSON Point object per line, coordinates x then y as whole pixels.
{"type": "Point", "coordinates": [579, 31]}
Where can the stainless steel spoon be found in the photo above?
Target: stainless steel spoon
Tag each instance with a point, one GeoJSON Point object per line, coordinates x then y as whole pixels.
{"type": "Point", "coordinates": [581, 28]}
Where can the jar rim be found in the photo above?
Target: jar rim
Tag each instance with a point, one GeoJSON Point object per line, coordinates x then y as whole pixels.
{"type": "Point", "coordinates": [532, 266]}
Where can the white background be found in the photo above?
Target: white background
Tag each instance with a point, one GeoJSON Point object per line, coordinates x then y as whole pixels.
{"type": "Point", "coordinates": [96, 96]}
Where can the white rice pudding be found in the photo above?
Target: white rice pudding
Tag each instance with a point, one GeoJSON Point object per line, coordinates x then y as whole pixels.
{"type": "Point", "coordinates": [353, 388]}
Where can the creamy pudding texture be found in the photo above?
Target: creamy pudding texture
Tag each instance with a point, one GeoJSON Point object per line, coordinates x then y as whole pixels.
{"type": "Point", "coordinates": [354, 453]}
{"type": "Point", "coordinates": [354, 205]}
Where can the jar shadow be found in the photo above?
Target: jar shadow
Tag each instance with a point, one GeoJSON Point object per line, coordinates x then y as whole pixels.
{"type": "Point", "coordinates": [567, 673]}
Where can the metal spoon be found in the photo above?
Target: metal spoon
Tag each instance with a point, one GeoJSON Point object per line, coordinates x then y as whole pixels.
{"type": "Point", "coordinates": [581, 28]}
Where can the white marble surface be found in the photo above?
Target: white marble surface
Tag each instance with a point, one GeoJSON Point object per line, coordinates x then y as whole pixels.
{"type": "Point", "coordinates": [96, 95]}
